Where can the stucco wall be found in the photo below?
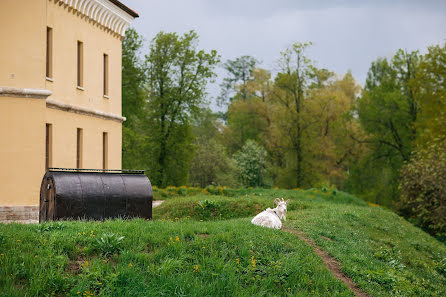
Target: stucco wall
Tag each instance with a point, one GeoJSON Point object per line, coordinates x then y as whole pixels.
{"type": "Point", "coordinates": [64, 128]}
{"type": "Point", "coordinates": [23, 120]}
{"type": "Point", "coordinates": [22, 150]}
{"type": "Point", "coordinates": [22, 50]}
{"type": "Point", "coordinates": [68, 28]}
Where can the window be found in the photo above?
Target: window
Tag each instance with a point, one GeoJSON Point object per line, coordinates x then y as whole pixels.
{"type": "Point", "coordinates": [79, 148]}
{"type": "Point", "coordinates": [48, 146]}
{"type": "Point", "coordinates": [105, 75]}
{"type": "Point", "coordinates": [105, 150]}
{"type": "Point", "coordinates": [49, 52]}
{"type": "Point", "coordinates": [80, 64]}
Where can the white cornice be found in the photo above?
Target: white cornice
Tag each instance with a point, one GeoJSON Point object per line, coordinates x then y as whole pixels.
{"type": "Point", "coordinates": [102, 11]}
{"type": "Point", "coordinates": [24, 93]}
{"type": "Point", "coordinates": [82, 110]}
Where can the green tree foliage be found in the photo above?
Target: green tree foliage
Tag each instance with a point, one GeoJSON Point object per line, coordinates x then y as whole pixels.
{"type": "Point", "coordinates": [133, 102]}
{"type": "Point", "coordinates": [423, 188]}
{"type": "Point", "coordinates": [388, 111]}
{"type": "Point", "coordinates": [251, 162]}
{"type": "Point", "coordinates": [211, 164]}
{"type": "Point", "coordinates": [177, 76]}
{"type": "Point", "coordinates": [240, 73]}
{"type": "Point", "coordinates": [247, 120]}
{"type": "Point", "coordinates": [333, 127]}
{"type": "Point", "coordinates": [289, 94]}
{"type": "Point", "coordinates": [430, 89]}
{"type": "Point", "coordinates": [133, 77]}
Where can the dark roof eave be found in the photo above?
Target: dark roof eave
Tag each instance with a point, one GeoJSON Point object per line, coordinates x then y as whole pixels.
{"type": "Point", "coordinates": [125, 8]}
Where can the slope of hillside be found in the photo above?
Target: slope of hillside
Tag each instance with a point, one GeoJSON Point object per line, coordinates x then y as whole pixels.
{"type": "Point", "coordinates": [204, 245]}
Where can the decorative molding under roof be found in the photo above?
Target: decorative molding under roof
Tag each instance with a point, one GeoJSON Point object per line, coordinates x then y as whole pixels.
{"type": "Point", "coordinates": [82, 110]}
{"type": "Point", "coordinates": [24, 93]}
{"type": "Point", "coordinates": [104, 12]}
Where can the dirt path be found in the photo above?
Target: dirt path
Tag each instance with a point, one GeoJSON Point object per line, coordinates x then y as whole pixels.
{"type": "Point", "coordinates": [331, 263]}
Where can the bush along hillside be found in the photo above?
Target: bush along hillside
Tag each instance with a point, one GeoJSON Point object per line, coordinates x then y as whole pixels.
{"type": "Point", "coordinates": [203, 244]}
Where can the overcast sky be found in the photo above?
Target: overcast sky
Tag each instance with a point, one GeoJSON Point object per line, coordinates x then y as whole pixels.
{"type": "Point", "coordinates": [346, 35]}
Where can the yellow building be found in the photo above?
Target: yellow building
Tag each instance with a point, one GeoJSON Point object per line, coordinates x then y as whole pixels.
{"type": "Point", "coordinates": [60, 93]}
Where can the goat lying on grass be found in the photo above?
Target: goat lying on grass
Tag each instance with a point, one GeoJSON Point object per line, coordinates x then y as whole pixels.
{"type": "Point", "coordinates": [271, 218]}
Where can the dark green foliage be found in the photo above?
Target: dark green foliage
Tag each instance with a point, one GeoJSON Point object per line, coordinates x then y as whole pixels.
{"type": "Point", "coordinates": [133, 103]}
{"type": "Point", "coordinates": [177, 76]}
{"type": "Point", "coordinates": [423, 189]}
{"type": "Point", "coordinates": [387, 111]}
{"type": "Point", "coordinates": [161, 98]}
{"type": "Point", "coordinates": [211, 163]}
{"type": "Point", "coordinates": [387, 108]}
{"type": "Point", "coordinates": [374, 181]}
{"type": "Point", "coordinates": [133, 77]}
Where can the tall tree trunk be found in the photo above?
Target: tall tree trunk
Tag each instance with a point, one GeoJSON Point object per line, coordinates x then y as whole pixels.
{"type": "Point", "coordinates": [162, 154]}
{"type": "Point", "coordinates": [298, 94]}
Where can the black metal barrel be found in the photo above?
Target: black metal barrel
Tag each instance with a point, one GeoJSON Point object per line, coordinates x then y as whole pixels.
{"type": "Point", "coordinates": [94, 194]}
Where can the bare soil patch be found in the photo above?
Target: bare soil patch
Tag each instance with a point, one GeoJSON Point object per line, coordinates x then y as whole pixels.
{"type": "Point", "coordinates": [331, 263]}
{"type": "Point", "coordinates": [203, 235]}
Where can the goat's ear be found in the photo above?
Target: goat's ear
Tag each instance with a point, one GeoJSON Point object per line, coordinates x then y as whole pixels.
{"type": "Point", "coordinates": [287, 201]}
{"type": "Point", "coordinates": [277, 201]}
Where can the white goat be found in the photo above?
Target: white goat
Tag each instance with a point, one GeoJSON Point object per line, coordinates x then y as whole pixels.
{"type": "Point", "coordinates": [271, 218]}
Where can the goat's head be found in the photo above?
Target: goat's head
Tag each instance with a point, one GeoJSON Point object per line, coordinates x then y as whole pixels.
{"type": "Point", "coordinates": [281, 207]}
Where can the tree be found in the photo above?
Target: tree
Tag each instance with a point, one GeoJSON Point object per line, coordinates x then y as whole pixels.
{"type": "Point", "coordinates": [423, 188]}
{"type": "Point", "coordinates": [240, 73]}
{"type": "Point", "coordinates": [423, 178]}
{"type": "Point", "coordinates": [388, 108]}
{"type": "Point", "coordinates": [332, 134]}
{"type": "Point", "coordinates": [388, 111]}
{"type": "Point", "coordinates": [247, 120]}
{"type": "Point", "coordinates": [211, 164]}
{"type": "Point", "coordinates": [133, 102]}
{"type": "Point", "coordinates": [177, 76]}
{"type": "Point", "coordinates": [251, 161]}
{"type": "Point", "coordinates": [289, 93]}
{"type": "Point", "coordinates": [260, 84]}
{"type": "Point", "coordinates": [430, 89]}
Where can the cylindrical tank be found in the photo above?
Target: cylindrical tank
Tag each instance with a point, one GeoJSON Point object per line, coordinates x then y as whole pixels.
{"type": "Point", "coordinates": [94, 194]}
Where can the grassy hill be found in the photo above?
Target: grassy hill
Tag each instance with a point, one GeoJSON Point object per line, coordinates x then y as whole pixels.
{"type": "Point", "coordinates": [204, 245]}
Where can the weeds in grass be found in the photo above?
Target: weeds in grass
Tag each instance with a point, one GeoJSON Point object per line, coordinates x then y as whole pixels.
{"type": "Point", "coordinates": [109, 243]}
{"type": "Point", "coordinates": [45, 227]}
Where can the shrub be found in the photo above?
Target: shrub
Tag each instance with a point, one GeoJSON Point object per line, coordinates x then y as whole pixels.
{"type": "Point", "coordinates": [251, 161]}
{"type": "Point", "coordinates": [207, 209]}
{"type": "Point", "coordinates": [423, 189]}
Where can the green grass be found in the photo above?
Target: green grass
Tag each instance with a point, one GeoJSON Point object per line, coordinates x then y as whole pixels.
{"type": "Point", "coordinates": [204, 245]}
{"type": "Point", "coordinates": [383, 253]}
{"type": "Point", "coordinates": [184, 258]}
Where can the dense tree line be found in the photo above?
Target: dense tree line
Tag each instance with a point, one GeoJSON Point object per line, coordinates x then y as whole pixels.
{"type": "Point", "coordinates": [302, 127]}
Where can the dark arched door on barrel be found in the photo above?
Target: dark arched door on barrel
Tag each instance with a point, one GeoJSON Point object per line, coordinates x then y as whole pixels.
{"type": "Point", "coordinates": [47, 201]}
